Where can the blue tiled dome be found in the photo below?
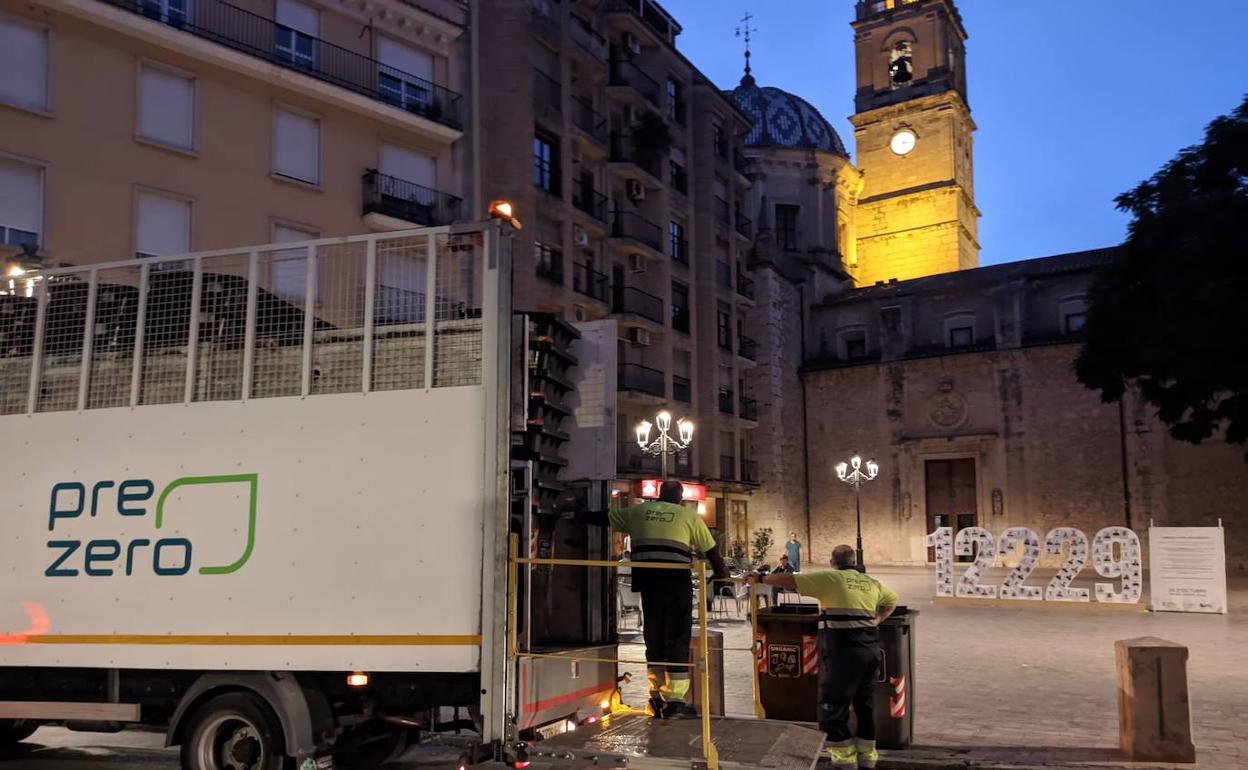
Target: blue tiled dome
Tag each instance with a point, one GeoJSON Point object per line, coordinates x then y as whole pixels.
{"type": "Point", "coordinates": [784, 120]}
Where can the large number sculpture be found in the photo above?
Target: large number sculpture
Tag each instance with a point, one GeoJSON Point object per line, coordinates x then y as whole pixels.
{"type": "Point", "coordinates": [1115, 554]}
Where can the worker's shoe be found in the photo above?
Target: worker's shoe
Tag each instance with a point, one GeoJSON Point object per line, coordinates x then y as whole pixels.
{"type": "Point", "coordinates": [868, 757]}
{"type": "Point", "coordinates": [654, 708]}
{"type": "Point", "coordinates": [678, 710]}
{"type": "Point", "coordinates": [843, 755]}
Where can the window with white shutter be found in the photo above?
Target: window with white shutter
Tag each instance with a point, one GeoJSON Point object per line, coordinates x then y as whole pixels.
{"type": "Point", "coordinates": [23, 64]}
{"type": "Point", "coordinates": [21, 203]}
{"type": "Point", "coordinates": [163, 226]}
{"type": "Point", "coordinates": [405, 75]}
{"type": "Point", "coordinates": [295, 35]}
{"type": "Point", "coordinates": [296, 146]}
{"type": "Point", "coordinates": [166, 107]}
{"type": "Point", "coordinates": [289, 269]}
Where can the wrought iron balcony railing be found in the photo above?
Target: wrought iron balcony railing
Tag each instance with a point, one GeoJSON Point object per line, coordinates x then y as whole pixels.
{"type": "Point", "coordinates": [634, 301]}
{"type": "Point", "coordinates": [746, 347]}
{"type": "Point", "coordinates": [743, 224]}
{"type": "Point", "coordinates": [629, 224]}
{"type": "Point", "coordinates": [408, 201]}
{"type": "Point", "coordinates": [624, 72]}
{"type": "Point", "coordinates": [589, 120]}
{"type": "Point", "coordinates": [588, 39]}
{"type": "Point", "coordinates": [748, 409]}
{"type": "Point", "coordinates": [589, 200]}
{"type": "Point", "coordinates": [745, 285]}
{"type": "Point", "coordinates": [641, 379]}
{"type": "Point", "coordinates": [241, 30]}
{"type": "Point", "coordinates": [624, 150]}
{"type": "Point", "coordinates": [728, 467]}
{"type": "Point", "coordinates": [590, 282]}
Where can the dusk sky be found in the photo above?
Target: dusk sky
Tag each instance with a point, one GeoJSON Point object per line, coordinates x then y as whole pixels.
{"type": "Point", "coordinates": [1076, 101]}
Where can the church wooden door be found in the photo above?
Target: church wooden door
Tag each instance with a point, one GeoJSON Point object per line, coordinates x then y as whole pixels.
{"type": "Point", "coordinates": [951, 498]}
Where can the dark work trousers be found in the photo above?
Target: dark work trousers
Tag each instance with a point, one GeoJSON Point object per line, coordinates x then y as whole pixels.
{"type": "Point", "coordinates": [849, 660]}
{"type": "Point", "coordinates": [667, 610]}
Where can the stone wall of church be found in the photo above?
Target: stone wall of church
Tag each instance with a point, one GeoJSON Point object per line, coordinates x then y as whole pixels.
{"type": "Point", "coordinates": [1047, 453]}
{"type": "Point", "coordinates": [779, 501]}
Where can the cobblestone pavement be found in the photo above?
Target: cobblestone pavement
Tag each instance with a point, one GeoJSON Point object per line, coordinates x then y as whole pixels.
{"type": "Point", "coordinates": [1037, 683]}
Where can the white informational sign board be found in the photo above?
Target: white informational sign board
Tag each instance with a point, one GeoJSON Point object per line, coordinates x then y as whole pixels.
{"type": "Point", "coordinates": [593, 402]}
{"type": "Point", "coordinates": [1187, 569]}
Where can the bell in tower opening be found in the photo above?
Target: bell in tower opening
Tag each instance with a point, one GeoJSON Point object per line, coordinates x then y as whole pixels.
{"type": "Point", "coordinates": [900, 66]}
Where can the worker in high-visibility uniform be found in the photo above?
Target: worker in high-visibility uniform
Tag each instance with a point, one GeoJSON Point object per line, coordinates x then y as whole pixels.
{"type": "Point", "coordinates": [665, 530]}
{"type": "Point", "coordinates": [852, 606]}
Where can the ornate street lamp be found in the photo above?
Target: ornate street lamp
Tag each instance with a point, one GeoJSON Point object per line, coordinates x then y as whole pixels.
{"type": "Point", "coordinates": [666, 443]}
{"type": "Point", "coordinates": [857, 473]}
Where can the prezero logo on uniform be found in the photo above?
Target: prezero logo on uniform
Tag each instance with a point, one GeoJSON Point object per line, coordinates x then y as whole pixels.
{"type": "Point", "coordinates": [125, 502]}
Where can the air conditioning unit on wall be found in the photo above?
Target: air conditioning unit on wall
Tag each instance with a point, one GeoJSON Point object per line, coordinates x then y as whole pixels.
{"type": "Point", "coordinates": [637, 262]}
{"type": "Point", "coordinates": [579, 236]}
{"type": "Point", "coordinates": [636, 192]}
{"type": "Point", "coordinates": [638, 336]}
{"type": "Point", "coordinates": [632, 44]}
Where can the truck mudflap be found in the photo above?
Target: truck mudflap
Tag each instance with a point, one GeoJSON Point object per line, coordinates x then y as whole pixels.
{"type": "Point", "coordinates": [637, 741]}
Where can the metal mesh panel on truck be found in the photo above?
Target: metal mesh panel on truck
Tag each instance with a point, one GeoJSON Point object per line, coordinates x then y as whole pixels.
{"type": "Point", "coordinates": [342, 315]}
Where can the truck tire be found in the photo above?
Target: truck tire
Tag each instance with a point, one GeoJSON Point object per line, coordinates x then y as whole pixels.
{"type": "Point", "coordinates": [234, 731]}
{"type": "Point", "coordinates": [15, 731]}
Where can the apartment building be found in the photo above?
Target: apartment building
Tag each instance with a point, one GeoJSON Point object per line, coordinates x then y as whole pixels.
{"type": "Point", "coordinates": [628, 162]}
{"type": "Point", "coordinates": [137, 127]}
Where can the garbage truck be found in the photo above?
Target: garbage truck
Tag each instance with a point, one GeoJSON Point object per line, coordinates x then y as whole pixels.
{"type": "Point", "coordinates": [264, 499]}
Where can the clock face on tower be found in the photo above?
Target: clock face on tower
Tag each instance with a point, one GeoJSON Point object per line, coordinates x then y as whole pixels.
{"type": "Point", "coordinates": [902, 142]}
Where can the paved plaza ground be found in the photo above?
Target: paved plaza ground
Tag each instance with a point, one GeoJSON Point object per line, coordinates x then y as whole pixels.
{"type": "Point", "coordinates": [1036, 682]}
{"type": "Point", "coordinates": [1032, 685]}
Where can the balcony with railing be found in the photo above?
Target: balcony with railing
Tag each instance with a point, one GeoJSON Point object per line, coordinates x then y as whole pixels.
{"type": "Point", "coordinates": [629, 300]}
{"type": "Point", "coordinates": [589, 120]}
{"type": "Point", "coordinates": [727, 402]}
{"type": "Point", "coordinates": [625, 150]}
{"type": "Point", "coordinates": [625, 73]}
{"type": "Point", "coordinates": [721, 211]}
{"type": "Point", "coordinates": [745, 285]}
{"type": "Point", "coordinates": [682, 389]}
{"type": "Point", "coordinates": [635, 378]}
{"type": "Point", "coordinates": [728, 467]}
{"type": "Point", "coordinates": [634, 227]}
{"type": "Point", "coordinates": [587, 39]}
{"type": "Point", "coordinates": [241, 30]}
{"type": "Point", "coordinates": [588, 200]}
{"type": "Point", "coordinates": [651, 14]}
{"type": "Point", "coordinates": [408, 201]}
{"type": "Point", "coordinates": [551, 271]}
{"type": "Point", "coordinates": [630, 459]}
{"type": "Point", "coordinates": [748, 409]}
{"type": "Point", "coordinates": [545, 22]}
{"type": "Point", "coordinates": [588, 281]}
{"type": "Point", "coordinates": [747, 348]}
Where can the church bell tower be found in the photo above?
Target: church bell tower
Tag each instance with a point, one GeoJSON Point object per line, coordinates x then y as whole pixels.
{"type": "Point", "coordinates": [916, 215]}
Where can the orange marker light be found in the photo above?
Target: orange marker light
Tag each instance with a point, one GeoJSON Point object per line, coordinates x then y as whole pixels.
{"type": "Point", "coordinates": [357, 680]}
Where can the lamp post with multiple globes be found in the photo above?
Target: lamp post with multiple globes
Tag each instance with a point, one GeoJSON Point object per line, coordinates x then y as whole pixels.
{"type": "Point", "coordinates": [857, 473]}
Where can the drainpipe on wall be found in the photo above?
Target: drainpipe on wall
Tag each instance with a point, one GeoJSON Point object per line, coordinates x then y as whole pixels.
{"type": "Point", "coordinates": [1126, 476]}
{"type": "Point", "coordinates": [801, 296]}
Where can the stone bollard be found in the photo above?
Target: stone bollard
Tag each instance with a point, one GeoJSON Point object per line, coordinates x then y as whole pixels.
{"type": "Point", "coordinates": [1154, 719]}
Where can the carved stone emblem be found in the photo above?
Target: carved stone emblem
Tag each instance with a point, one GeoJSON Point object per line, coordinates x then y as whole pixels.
{"type": "Point", "coordinates": [948, 407]}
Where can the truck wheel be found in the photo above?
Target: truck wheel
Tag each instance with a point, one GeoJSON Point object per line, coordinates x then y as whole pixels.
{"type": "Point", "coordinates": [235, 731]}
{"type": "Point", "coordinates": [15, 731]}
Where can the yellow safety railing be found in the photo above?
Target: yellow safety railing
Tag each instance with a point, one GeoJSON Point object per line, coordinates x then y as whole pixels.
{"type": "Point", "coordinates": [709, 752]}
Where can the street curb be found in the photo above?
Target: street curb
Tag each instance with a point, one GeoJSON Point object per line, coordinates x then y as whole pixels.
{"type": "Point", "coordinates": [953, 761]}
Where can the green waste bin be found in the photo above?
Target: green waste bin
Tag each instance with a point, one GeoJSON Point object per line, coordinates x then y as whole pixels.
{"type": "Point", "coordinates": [788, 662]}
{"type": "Point", "coordinates": [894, 688]}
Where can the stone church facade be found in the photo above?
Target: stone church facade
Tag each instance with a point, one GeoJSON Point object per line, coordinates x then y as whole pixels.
{"type": "Point", "coordinates": [879, 333]}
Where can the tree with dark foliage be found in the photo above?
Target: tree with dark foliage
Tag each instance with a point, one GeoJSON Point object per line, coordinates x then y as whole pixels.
{"type": "Point", "coordinates": [1170, 316]}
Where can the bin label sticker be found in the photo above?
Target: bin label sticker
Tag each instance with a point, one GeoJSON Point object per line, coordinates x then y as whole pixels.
{"type": "Point", "coordinates": [784, 661]}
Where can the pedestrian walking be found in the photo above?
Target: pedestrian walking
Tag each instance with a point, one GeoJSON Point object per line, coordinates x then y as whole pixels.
{"type": "Point", "coordinates": [793, 549]}
{"type": "Point", "coordinates": [665, 530]}
{"type": "Point", "coordinates": [852, 605]}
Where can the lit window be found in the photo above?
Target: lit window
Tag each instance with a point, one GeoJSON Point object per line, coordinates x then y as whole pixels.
{"type": "Point", "coordinates": [23, 65]}
{"type": "Point", "coordinates": [166, 107]}
{"type": "Point", "coordinates": [546, 164]}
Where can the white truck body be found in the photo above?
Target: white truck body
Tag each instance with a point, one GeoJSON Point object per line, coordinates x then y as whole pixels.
{"type": "Point", "coordinates": [255, 481]}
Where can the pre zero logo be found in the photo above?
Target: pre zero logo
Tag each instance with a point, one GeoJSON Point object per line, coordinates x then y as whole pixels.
{"type": "Point", "coordinates": [129, 500]}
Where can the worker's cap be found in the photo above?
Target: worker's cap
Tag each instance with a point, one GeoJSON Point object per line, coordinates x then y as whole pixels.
{"type": "Point", "coordinates": [672, 491]}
